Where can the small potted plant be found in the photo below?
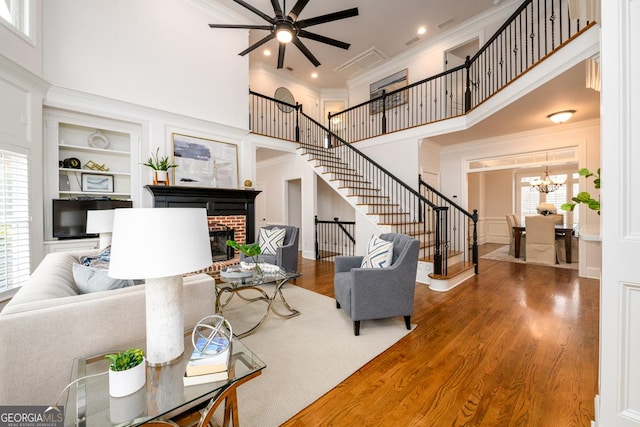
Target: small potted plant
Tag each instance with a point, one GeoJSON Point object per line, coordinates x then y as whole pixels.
{"type": "Point", "coordinates": [160, 166]}
{"type": "Point", "coordinates": [127, 372]}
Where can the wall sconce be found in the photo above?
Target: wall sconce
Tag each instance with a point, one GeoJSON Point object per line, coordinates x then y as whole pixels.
{"type": "Point", "coordinates": [561, 116]}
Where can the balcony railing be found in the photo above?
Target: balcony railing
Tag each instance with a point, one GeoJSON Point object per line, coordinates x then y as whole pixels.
{"type": "Point", "coordinates": [533, 32]}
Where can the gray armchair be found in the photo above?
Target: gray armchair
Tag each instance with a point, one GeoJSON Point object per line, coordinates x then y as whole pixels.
{"type": "Point", "coordinates": [378, 293]}
{"type": "Point", "coordinates": [287, 255]}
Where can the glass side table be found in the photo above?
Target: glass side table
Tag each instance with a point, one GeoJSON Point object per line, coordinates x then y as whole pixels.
{"type": "Point", "coordinates": [164, 396]}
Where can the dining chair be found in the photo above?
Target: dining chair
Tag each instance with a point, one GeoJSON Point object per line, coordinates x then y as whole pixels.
{"type": "Point", "coordinates": [514, 221]}
{"type": "Point", "coordinates": [541, 239]}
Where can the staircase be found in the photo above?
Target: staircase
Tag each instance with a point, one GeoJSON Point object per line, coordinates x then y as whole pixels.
{"type": "Point", "coordinates": [447, 233]}
{"type": "Point", "coordinates": [446, 253]}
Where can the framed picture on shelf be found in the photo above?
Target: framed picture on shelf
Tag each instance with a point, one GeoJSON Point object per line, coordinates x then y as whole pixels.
{"type": "Point", "coordinates": [97, 183]}
{"type": "Point", "coordinates": [389, 84]}
{"type": "Point", "coordinates": [204, 162]}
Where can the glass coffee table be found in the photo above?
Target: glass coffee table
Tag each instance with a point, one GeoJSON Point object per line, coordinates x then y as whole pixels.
{"type": "Point", "coordinates": [163, 397]}
{"type": "Point", "coordinates": [240, 285]}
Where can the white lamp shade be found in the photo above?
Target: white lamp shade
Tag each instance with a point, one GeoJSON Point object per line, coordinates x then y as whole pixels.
{"type": "Point", "coordinates": [100, 221]}
{"type": "Point", "coordinates": [159, 242]}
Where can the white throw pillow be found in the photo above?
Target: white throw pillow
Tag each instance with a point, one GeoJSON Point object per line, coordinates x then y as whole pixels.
{"type": "Point", "coordinates": [89, 279]}
{"type": "Point", "coordinates": [379, 253]}
{"type": "Point", "coordinates": [271, 240]}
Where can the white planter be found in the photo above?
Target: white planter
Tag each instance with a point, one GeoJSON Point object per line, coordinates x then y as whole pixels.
{"type": "Point", "coordinates": [162, 177]}
{"type": "Point", "coordinates": [124, 383]}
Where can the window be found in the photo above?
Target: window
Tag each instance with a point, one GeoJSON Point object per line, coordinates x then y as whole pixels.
{"type": "Point", "coordinates": [17, 13]}
{"type": "Point", "coordinates": [14, 219]}
{"type": "Point", "coordinates": [529, 198]}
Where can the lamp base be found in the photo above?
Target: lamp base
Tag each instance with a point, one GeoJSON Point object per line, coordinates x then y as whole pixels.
{"type": "Point", "coordinates": [165, 321]}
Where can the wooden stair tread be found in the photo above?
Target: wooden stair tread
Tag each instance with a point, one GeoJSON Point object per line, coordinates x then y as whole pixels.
{"type": "Point", "coordinates": [449, 254]}
{"type": "Point", "coordinates": [454, 270]}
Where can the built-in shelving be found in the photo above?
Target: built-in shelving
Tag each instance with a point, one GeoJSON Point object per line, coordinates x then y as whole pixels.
{"type": "Point", "coordinates": [100, 146]}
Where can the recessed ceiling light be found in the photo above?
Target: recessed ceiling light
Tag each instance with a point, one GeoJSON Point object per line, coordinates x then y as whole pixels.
{"type": "Point", "coordinates": [314, 75]}
{"type": "Point", "coordinates": [267, 52]}
{"type": "Point", "coordinates": [422, 30]}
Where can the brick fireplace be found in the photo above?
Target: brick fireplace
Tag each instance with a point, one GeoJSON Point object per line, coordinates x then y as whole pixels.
{"type": "Point", "coordinates": [226, 208]}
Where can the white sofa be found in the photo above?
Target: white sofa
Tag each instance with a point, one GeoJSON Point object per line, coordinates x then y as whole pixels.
{"type": "Point", "coordinates": [48, 323]}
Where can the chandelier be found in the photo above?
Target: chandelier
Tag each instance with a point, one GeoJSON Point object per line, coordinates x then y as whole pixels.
{"type": "Point", "coordinates": [546, 184]}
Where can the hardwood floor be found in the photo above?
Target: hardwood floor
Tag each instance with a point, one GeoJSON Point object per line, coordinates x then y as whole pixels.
{"type": "Point", "coordinates": [516, 345]}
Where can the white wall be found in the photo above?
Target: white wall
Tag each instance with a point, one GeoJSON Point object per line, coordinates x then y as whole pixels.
{"type": "Point", "coordinates": [155, 53]}
{"type": "Point", "coordinates": [266, 81]}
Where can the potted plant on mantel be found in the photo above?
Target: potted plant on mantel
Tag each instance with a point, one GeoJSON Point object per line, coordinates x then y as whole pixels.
{"type": "Point", "coordinates": [160, 166]}
{"type": "Point", "coordinates": [127, 372]}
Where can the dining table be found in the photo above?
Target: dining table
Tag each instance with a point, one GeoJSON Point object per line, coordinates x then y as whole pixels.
{"type": "Point", "coordinates": [560, 230]}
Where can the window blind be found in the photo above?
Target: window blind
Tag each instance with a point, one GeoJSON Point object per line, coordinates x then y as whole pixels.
{"type": "Point", "coordinates": [14, 220]}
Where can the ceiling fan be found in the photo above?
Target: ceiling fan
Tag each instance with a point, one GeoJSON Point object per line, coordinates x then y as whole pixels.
{"type": "Point", "coordinates": [287, 28]}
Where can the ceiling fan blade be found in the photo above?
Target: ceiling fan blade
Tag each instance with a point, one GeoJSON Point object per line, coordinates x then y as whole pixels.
{"type": "Point", "coordinates": [257, 44]}
{"type": "Point", "coordinates": [297, 9]}
{"type": "Point", "coordinates": [305, 51]}
{"type": "Point", "coordinates": [276, 8]}
{"type": "Point", "coordinates": [246, 27]}
{"type": "Point", "coordinates": [347, 13]}
{"type": "Point", "coordinates": [254, 10]}
{"type": "Point", "coordinates": [323, 39]}
{"type": "Point", "coordinates": [281, 54]}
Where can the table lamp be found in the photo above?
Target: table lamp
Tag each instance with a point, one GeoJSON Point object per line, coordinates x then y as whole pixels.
{"type": "Point", "coordinates": [160, 245]}
{"type": "Point", "coordinates": [101, 222]}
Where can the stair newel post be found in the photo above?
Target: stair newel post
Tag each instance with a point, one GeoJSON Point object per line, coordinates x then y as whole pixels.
{"type": "Point", "coordinates": [298, 111]}
{"type": "Point", "coordinates": [384, 111]}
{"type": "Point", "coordinates": [474, 250]}
{"type": "Point", "coordinates": [437, 255]}
{"type": "Point", "coordinates": [329, 145]}
{"type": "Point", "coordinates": [467, 92]}
{"type": "Point", "coordinates": [315, 221]}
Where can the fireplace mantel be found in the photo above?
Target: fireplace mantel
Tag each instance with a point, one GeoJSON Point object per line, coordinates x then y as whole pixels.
{"type": "Point", "coordinates": [217, 201]}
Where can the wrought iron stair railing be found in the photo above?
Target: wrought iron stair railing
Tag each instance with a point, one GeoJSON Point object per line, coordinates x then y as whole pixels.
{"type": "Point", "coordinates": [334, 237]}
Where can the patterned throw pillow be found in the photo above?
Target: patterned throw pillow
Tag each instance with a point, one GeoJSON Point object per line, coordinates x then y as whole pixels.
{"type": "Point", "coordinates": [271, 240]}
{"type": "Point", "coordinates": [379, 253]}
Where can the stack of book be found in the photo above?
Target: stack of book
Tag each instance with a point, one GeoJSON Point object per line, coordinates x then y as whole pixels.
{"type": "Point", "coordinates": [210, 365]}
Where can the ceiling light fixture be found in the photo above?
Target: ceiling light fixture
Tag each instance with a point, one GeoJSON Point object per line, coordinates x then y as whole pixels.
{"type": "Point", "coordinates": [267, 52]}
{"type": "Point", "coordinates": [422, 30]}
{"type": "Point", "coordinates": [314, 75]}
{"type": "Point", "coordinates": [561, 116]}
{"type": "Point", "coordinates": [547, 184]}
{"type": "Point", "coordinates": [284, 32]}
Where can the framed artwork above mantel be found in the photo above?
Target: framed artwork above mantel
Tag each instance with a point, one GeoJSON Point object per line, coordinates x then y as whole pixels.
{"type": "Point", "coordinates": [204, 162]}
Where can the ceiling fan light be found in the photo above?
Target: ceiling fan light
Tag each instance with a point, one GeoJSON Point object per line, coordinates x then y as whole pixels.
{"type": "Point", "coordinates": [561, 116]}
{"type": "Point", "coordinates": [284, 35]}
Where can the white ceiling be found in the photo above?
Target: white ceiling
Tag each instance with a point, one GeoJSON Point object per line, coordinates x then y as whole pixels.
{"type": "Point", "coordinates": [382, 25]}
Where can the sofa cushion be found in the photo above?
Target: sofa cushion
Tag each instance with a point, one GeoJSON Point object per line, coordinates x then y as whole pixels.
{"type": "Point", "coordinates": [89, 279]}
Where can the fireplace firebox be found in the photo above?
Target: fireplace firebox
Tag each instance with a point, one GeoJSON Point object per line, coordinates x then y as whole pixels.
{"type": "Point", "coordinates": [218, 236]}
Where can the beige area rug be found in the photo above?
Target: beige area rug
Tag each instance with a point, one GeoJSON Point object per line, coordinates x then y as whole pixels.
{"type": "Point", "coordinates": [306, 356]}
{"type": "Point", "coordinates": [502, 254]}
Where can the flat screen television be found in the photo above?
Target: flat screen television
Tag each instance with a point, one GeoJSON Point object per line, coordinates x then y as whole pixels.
{"type": "Point", "coordinates": [70, 215]}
